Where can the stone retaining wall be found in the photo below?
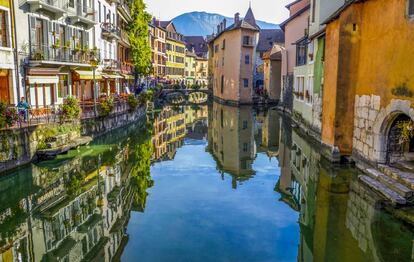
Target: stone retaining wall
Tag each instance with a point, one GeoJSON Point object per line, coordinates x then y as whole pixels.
{"type": "Point", "coordinates": [18, 146]}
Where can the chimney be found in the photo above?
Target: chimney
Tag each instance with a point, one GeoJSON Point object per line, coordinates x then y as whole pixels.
{"type": "Point", "coordinates": [237, 18]}
{"type": "Point", "coordinates": [221, 26]}
{"type": "Point", "coordinates": [218, 29]}
{"type": "Point", "coordinates": [224, 23]}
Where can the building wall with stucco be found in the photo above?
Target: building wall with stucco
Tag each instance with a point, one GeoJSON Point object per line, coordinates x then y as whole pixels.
{"type": "Point", "coordinates": [369, 76]}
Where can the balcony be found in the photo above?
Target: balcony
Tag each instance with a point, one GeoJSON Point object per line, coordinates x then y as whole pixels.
{"type": "Point", "coordinates": [61, 55]}
{"type": "Point", "coordinates": [123, 8]}
{"type": "Point", "coordinates": [110, 31]}
{"type": "Point", "coordinates": [55, 7]}
{"type": "Point", "coordinates": [82, 15]}
{"type": "Point", "coordinates": [110, 65]}
{"type": "Point", "coordinates": [125, 38]}
{"type": "Point", "coordinates": [127, 68]}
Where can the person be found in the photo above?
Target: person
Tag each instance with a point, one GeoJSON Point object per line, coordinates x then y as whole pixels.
{"type": "Point", "coordinates": [23, 108]}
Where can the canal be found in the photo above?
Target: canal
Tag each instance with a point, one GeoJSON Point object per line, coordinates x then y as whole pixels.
{"type": "Point", "coordinates": [198, 183]}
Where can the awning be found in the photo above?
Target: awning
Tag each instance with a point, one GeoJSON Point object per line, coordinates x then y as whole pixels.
{"type": "Point", "coordinates": [107, 76]}
{"type": "Point", "coordinates": [128, 77]}
{"type": "Point", "coordinates": [88, 74]}
{"type": "Point", "coordinates": [43, 79]}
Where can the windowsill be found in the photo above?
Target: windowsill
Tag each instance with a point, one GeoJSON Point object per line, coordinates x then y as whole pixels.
{"type": "Point", "coordinates": [9, 49]}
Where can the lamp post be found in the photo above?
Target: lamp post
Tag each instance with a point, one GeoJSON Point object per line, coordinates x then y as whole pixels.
{"type": "Point", "coordinates": [94, 63]}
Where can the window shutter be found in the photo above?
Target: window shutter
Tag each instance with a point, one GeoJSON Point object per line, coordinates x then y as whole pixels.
{"type": "Point", "coordinates": [32, 26]}
{"type": "Point", "coordinates": [45, 32]}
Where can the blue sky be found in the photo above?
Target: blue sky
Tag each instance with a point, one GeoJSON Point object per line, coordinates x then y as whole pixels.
{"type": "Point", "coordinates": [273, 11]}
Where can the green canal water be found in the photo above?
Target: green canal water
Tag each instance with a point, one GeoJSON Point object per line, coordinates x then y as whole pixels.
{"type": "Point", "coordinates": [205, 183]}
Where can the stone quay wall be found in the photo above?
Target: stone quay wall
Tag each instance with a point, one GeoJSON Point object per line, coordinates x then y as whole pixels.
{"type": "Point", "coordinates": [18, 146]}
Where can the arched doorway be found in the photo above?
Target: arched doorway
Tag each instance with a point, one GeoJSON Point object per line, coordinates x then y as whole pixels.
{"type": "Point", "coordinates": [396, 149]}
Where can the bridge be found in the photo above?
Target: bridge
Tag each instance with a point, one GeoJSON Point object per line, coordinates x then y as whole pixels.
{"type": "Point", "coordinates": [186, 96]}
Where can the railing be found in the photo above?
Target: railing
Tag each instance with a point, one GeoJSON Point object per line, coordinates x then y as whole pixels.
{"type": "Point", "coordinates": [62, 54]}
{"type": "Point", "coordinates": [111, 29]}
{"type": "Point", "coordinates": [127, 68]}
{"type": "Point", "coordinates": [83, 10]}
{"type": "Point", "coordinates": [111, 64]}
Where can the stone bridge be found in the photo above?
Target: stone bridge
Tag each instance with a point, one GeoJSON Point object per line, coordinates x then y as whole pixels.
{"type": "Point", "coordinates": [186, 96]}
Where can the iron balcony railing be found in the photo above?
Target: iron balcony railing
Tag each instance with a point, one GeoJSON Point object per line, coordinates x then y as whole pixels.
{"type": "Point", "coordinates": [110, 29]}
{"type": "Point", "coordinates": [62, 54]}
{"type": "Point", "coordinates": [111, 64]}
{"type": "Point", "coordinates": [127, 68]}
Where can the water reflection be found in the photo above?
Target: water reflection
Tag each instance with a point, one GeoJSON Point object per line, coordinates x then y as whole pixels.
{"type": "Point", "coordinates": [231, 184]}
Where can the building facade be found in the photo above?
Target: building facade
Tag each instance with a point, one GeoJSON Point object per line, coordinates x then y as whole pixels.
{"type": "Point", "coordinates": [272, 68]}
{"type": "Point", "coordinates": [235, 46]}
{"type": "Point", "coordinates": [190, 68]}
{"type": "Point", "coordinates": [55, 46]}
{"type": "Point", "coordinates": [361, 106]}
{"type": "Point", "coordinates": [158, 48]}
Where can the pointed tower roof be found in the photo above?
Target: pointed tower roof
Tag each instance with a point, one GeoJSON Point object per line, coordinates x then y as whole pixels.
{"type": "Point", "coordinates": [249, 18]}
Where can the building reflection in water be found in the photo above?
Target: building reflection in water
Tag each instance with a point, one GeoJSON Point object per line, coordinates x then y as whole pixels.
{"type": "Point", "coordinates": [340, 219]}
{"type": "Point", "coordinates": [76, 207]}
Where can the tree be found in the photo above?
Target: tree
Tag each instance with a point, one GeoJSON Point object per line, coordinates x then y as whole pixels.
{"type": "Point", "coordinates": [139, 38]}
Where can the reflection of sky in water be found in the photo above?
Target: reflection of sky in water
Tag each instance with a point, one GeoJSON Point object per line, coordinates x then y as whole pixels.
{"type": "Point", "coordinates": [193, 215]}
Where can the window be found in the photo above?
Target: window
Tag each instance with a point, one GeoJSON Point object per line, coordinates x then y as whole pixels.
{"type": "Point", "coordinates": [216, 48]}
{"type": "Point", "coordinates": [245, 124]}
{"type": "Point", "coordinates": [100, 12]}
{"type": "Point", "coordinates": [224, 44]}
{"type": "Point", "coordinates": [299, 87]}
{"type": "Point", "coordinates": [301, 53]}
{"type": "Point", "coordinates": [72, 3]}
{"type": "Point", "coordinates": [245, 147]}
{"type": "Point", "coordinates": [313, 10]}
{"type": "Point", "coordinates": [246, 40]}
{"type": "Point", "coordinates": [309, 90]}
{"type": "Point", "coordinates": [222, 84]}
{"type": "Point", "coordinates": [222, 61]}
{"type": "Point", "coordinates": [245, 82]}
{"type": "Point", "coordinates": [4, 41]}
{"type": "Point", "coordinates": [247, 59]}
{"type": "Point", "coordinates": [411, 8]}
{"type": "Point", "coordinates": [311, 52]}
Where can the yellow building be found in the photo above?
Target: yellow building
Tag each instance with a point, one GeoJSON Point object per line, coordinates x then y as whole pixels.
{"type": "Point", "coordinates": [175, 51]}
{"type": "Point", "coordinates": [190, 68]}
{"type": "Point", "coordinates": [158, 49]}
{"type": "Point", "coordinates": [201, 71]}
{"type": "Point", "coordinates": [232, 55]}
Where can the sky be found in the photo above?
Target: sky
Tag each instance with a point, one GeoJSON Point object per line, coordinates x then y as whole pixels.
{"type": "Point", "coordinates": [272, 11]}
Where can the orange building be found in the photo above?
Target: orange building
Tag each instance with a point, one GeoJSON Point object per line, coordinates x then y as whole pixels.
{"type": "Point", "coordinates": [232, 57]}
{"type": "Point", "coordinates": [369, 79]}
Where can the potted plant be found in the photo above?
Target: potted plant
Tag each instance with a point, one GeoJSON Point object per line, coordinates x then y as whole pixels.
{"type": "Point", "coordinates": [77, 47]}
{"type": "Point", "coordinates": [56, 45]}
{"type": "Point", "coordinates": [67, 44]}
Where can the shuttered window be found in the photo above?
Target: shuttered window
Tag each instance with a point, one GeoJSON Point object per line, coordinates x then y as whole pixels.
{"type": "Point", "coordinates": [4, 33]}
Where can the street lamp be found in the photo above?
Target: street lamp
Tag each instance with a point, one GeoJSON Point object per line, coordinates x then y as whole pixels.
{"type": "Point", "coordinates": [94, 64]}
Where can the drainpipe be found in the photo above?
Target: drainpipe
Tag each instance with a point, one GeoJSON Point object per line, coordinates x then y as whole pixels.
{"type": "Point", "coordinates": [14, 47]}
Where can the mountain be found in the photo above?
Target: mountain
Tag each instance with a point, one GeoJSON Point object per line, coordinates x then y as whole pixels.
{"type": "Point", "coordinates": [202, 23]}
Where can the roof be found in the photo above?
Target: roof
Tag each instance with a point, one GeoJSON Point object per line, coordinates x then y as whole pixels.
{"type": "Point", "coordinates": [291, 18]}
{"type": "Point", "coordinates": [274, 53]}
{"type": "Point", "coordinates": [294, 2]}
{"type": "Point", "coordinates": [338, 12]}
{"type": "Point", "coordinates": [248, 22]}
{"type": "Point", "coordinates": [164, 24]}
{"type": "Point", "coordinates": [268, 37]}
{"type": "Point", "coordinates": [198, 43]}
{"type": "Point", "coordinates": [190, 54]}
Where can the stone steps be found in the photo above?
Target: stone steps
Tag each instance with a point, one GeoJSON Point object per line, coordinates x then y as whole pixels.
{"type": "Point", "coordinates": [393, 184]}
{"type": "Point", "coordinates": [405, 178]}
{"type": "Point", "coordinates": [391, 195]}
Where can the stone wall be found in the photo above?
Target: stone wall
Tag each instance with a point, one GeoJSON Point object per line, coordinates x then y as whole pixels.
{"type": "Point", "coordinates": [366, 111]}
{"type": "Point", "coordinates": [372, 123]}
{"type": "Point", "coordinates": [18, 146]}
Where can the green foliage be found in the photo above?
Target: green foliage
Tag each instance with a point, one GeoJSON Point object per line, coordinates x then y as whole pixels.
{"type": "Point", "coordinates": [195, 87]}
{"type": "Point", "coordinates": [8, 115]}
{"type": "Point", "coordinates": [402, 90]}
{"type": "Point", "coordinates": [70, 109]}
{"type": "Point", "coordinates": [407, 131]}
{"type": "Point", "coordinates": [176, 86]}
{"type": "Point", "coordinates": [106, 106]}
{"type": "Point", "coordinates": [50, 131]}
{"type": "Point", "coordinates": [138, 37]}
{"type": "Point", "coordinates": [145, 97]}
{"type": "Point", "coordinates": [132, 102]}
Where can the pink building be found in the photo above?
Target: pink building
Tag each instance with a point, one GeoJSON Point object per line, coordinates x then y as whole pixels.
{"type": "Point", "coordinates": [294, 28]}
